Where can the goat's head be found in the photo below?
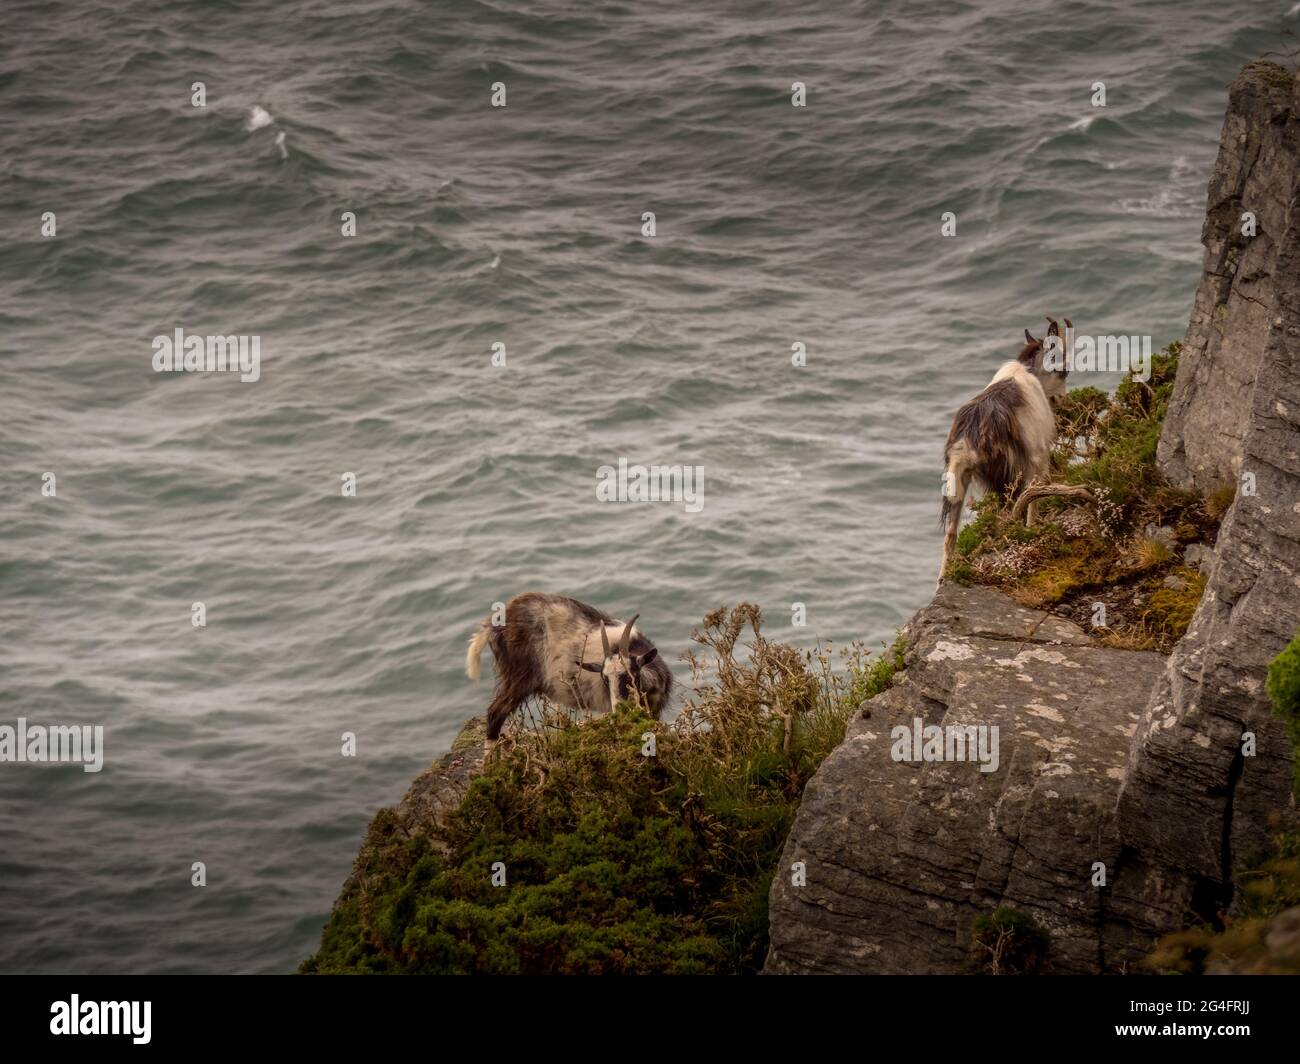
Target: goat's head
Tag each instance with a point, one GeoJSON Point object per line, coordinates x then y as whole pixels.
{"type": "Point", "coordinates": [623, 670]}
{"type": "Point", "coordinates": [1048, 359]}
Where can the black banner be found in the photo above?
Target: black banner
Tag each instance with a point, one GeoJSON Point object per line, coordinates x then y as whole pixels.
{"type": "Point", "coordinates": [143, 1014]}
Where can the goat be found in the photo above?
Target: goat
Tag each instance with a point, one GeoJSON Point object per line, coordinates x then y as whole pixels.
{"type": "Point", "coordinates": [1002, 439]}
{"type": "Point", "coordinates": [547, 646]}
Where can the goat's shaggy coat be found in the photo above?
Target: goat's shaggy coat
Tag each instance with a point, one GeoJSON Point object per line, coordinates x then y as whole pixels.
{"type": "Point", "coordinates": [538, 651]}
{"type": "Point", "coordinates": [1002, 439]}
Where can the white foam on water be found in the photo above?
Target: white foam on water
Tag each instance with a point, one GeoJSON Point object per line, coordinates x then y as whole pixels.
{"type": "Point", "coordinates": [257, 118]}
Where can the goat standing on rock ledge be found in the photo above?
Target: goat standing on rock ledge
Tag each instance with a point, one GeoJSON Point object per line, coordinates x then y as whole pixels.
{"type": "Point", "coordinates": [571, 653]}
{"type": "Point", "coordinates": [1002, 439]}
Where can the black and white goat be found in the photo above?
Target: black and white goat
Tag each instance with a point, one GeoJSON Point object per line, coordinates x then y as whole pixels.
{"type": "Point", "coordinates": [571, 653]}
{"type": "Point", "coordinates": [1002, 439]}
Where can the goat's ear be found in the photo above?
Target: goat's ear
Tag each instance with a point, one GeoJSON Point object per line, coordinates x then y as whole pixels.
{"type": "Point", "coordinates": [647, 657]}
{"type": "Point", "coordinates": [1030, 350]}
{"type": "Point", "coordinates": [590, 667]}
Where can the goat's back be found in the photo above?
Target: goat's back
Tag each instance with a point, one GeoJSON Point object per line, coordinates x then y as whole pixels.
{"type": "Point", "coordinates": [1005, 433]}
{"type": "Point", "coordinates": [545, 637]}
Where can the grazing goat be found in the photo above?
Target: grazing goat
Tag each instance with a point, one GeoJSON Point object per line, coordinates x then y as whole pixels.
{"type": "Point", "coordinates": [571, 653]}
{"type": "Point", "coordinates": [1002, 439]}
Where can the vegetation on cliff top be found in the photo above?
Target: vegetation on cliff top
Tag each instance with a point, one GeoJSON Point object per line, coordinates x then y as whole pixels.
{"type": "Point", "coordinates": [1129, 550]}
{"type": "Point", "coordinates": [615, 860]}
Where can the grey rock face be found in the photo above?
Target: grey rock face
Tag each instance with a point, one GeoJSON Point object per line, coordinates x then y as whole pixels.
{"type": "Point", "coordinates": [900, 858]}
{"type": "Point", "coordinates": [1199, 557]}
{"type": "Point", "coordinates": [440, 787]}
{"type": "Point", "coordinates": [1256, 171]}
{"type": "Point", "coordinates": [1193, 808]}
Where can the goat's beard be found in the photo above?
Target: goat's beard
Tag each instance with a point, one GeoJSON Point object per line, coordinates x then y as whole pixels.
{"type": "Point", "coordinates": [633, 695]}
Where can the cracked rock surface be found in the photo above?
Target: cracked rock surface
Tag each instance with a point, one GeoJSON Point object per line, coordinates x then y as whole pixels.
{"type": "Point", "coordinates": [439, 788]}
{"type": "Point", "coordinates": [1194, 809]}
{"type": "Point", "coordinates": [900, 857]}
{"type": "Point", "coordinates": [1256, 171]}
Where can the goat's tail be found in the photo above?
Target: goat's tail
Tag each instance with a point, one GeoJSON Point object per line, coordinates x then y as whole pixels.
{"type": "Point", "coordinates": [476, 645]}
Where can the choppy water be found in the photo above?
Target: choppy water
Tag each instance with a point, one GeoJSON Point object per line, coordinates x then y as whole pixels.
{"type": "Point", "coordinates": [775, 226]}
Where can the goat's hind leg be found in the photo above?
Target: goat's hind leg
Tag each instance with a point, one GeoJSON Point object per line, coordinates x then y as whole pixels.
{"type": "Point", "coordinates": [953, 505]}
{"type": "Point", "coordinates": [504, 702]}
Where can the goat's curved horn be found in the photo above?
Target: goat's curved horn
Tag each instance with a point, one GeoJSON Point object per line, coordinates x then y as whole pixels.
{"type": "Point", "coordinates": [604, 640]}
{"type": "Point", "coordinates": [1053, 327]}
{"type": "Point", "coordinates": [627, 636]}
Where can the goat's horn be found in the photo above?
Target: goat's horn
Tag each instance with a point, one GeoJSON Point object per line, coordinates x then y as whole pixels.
{"type": "Point", "coordinates": [627, 636]}
{"type": "Point", "coordinates": [604, 640]}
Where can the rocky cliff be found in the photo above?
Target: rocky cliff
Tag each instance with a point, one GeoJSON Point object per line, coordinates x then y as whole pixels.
{"type": "Point", "coordinates": [1193, 807]}
{"type": "Point", "coordinates": [1131, 787]}
{"type": "Point", "coordinates": [1251, 192]}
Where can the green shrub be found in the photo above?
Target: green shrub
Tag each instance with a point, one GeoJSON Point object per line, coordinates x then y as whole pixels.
{"type": "Point", "coordinates": [1120, 454]}
{"type": "Point", "coordinates": [615, 862]}
{"type": "Point", "coordinates": [880, 674]}
{"type": "Point", "coordinates": [1283, 686]}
